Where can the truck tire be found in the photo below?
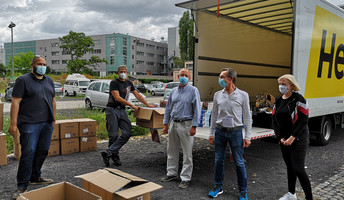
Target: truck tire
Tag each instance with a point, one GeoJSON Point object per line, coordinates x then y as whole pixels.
{"type": "Point", "coordinates": [66, 93]}
{"type": "Point", "coordinates": [326, 131]}
{"type": "Point", "coordinates": [74, 93]}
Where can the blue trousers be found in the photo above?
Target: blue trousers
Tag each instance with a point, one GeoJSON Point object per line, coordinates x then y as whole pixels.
{"type": "Point", "coordinates": [35, 143]}
{"type": "Point", "coordinates": [235, 140]}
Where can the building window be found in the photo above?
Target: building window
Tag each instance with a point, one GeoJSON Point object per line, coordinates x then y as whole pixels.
{"type": "Point", "coordinates": [150, 55]}
{"type": "Point", "coordinates": [54, 62]}
{"type": "Point", "coordinates": [132, 56]}
{"type": "Point", "coordinates": [140, 44]}
{"type": "Point", "coordinates": [125, 61]}
{"type": "Point", "coordinates": [112, 50]}
{"type": "Point", "coordinates": [149, 46]}
{"type": "Point", "coordinates": [97, 51]}
{"type": "Point", "coordinates": [124, 51]}
{"type": "Point", "coordinates": [161, 56]}
{"type": "Point", "coordinates": [132, 66]}
{"type": "Point", "coordinates": [96, 42]}
{"type": "Point", "coordinates": [55, 44]}
{"type": "Point", "coordinates": [55, 53]}
{"type": "Point", "coordinates": [139, 62]}
{"type": "Point", "coordinates": [65, 52]}
{"type": "Point", "coordinates": [140, 53]}
{"type": "Point", "coordinates": [150, 63]}
{"type": "Point", "coordinates": [124, 41]}
{"type": "Point", "coordinates": [112, 41]}
{"type": "Point", "coordinates": [112, 60]}
{"type": "Point", "coordinates": [132, 46]}
{"type": "Point", "coordinates": [160, 48]}
{"type": "Point", "coordinates": [64, 61]}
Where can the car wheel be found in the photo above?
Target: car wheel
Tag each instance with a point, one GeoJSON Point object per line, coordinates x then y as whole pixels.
{"type": "Point", "coordinates": [88, 104]}
{"type": "Point", "coordinates": [326, 131]}
{"type": "Point", "coordinates": [74, 93]}
{"type": "Point", "coordinates": [153, 93]}
{"type": "Point", "coordinates": [66, 93]}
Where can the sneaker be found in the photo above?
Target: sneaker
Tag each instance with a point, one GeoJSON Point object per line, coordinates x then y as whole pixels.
{"type": "Point", "coordinates": [289, 196]}
{"type": "Point", "coordinates": [106, 158]}
{"type": "Point", "coordinates": [243, 196]}
{"type": "Point", "coordinates": [215, 191]}
{"type": "Point", "coordinates": [116, 160]}
{"type": "Point", "coordinates": [184, 184]}
{"type": "Point", "coordinates": [41, 181]}
{"type": "Point", "coordinates": [16, 194]}
{"type": "Point", "coordinates": [168, 178]}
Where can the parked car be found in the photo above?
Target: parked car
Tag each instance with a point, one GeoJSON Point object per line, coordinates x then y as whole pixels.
{"type": "Point", "coordinates": [76, 84]}
{"type": "Point", "coordinates": [158, 89]}
{"type": "Point", "coordinates": [97, 95]}
{"type": "Point", "coordinates": [144, 88]}
{"type": "Point", "coordinates": [169, 86]}
{"type": "Point", "coordinates": [8, 94]}
{"type": "Point", "coordinates": [58, 89]}
{"type": "Point", "coordinates": [9, 85]}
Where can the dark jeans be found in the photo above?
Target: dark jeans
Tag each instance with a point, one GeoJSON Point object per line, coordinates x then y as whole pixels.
{"type": "Point", "coordinates": [117, 119]}
{"type": "Point", "coordinates": [235, 140]}
{"type": "Point", "coordinates": [294, 157]}
{"type": "Point", "coordinates": [35, 143]}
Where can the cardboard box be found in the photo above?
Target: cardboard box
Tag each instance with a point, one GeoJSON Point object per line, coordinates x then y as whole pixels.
{"type": "Point", "coordinates": [114, 184]}
{"type": "Point", "coordinates": [70, 145]}
{"type": "Point", "coordinates": [88, 143]}
{"type": "Point", "coordinates": [3, 149]}
{"type": "Point", "coordinates": [54, 148]}
{"type": "Point", "coordinates": [56, 131]}
{"type": "Point", "coordinates": [1, 115]}
{"type": "Point", "coordinates": [150, 117]}
{"type": "Point", "coordinates": [68, 128]}
{"type": "Point", "coordinates": [87, 127]}
{"type": "Point", "coordinates": [59, 191]}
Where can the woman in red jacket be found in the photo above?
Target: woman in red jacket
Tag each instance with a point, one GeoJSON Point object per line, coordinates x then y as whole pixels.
{"type": "Point", "coordinates": [290, 122]}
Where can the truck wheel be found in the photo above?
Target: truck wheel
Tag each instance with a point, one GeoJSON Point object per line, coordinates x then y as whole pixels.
{"type": "Point", "coordinates": [153, 93]}
{"type": "Point", "coordinates": [74, 93]}
{"type": "Point", "coordinates": [88, 104]}
{"type": "Point", "coordinates": [326, 130]}
{"type": "Point", "coordinates": [66, 93]}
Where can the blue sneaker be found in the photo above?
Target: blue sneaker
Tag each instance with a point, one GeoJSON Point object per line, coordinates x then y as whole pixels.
{"type": "Point", "coordinates": [243, 196]}
{"type": "Point", "coordinates": [215, 191]}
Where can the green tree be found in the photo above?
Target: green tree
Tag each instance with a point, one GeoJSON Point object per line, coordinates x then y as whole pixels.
{"type": "Point", "coordinates": [178, 63]}
{"type": "Point", "coordinates": [22, 63]}
{"type": "Point", "coordinates": [2, 70]}
{"type": "Point", "coordinates": [77, 45]}
{"type": "Point", "coordinates": [186, 43]}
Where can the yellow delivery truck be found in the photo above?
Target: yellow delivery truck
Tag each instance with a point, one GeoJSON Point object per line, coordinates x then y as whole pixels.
{"type": "Point", "coordinates": [264, 39]}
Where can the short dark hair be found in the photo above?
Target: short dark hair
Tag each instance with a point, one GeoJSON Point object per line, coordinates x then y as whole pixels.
{"type": "Point", "coordinates": [122, 67]}
{"type": "Point", "coordinates": [231, 73]}
{"type": "Point", "coordinates": [34, 59]}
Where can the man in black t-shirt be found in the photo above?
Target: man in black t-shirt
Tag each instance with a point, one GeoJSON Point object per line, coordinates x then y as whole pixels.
{"type": "Point", "coordinates": [117, 117]}
{"type": "Point", "coordinates": [33, 112]}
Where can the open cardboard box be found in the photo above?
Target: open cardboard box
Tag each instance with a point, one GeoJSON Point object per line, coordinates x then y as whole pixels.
{"type": "Point", "coordinates": [59, 191]}
{"type": "Point", "coordinates": [150, 117]}
{"type": "Point", "coordinates": [114, 184]}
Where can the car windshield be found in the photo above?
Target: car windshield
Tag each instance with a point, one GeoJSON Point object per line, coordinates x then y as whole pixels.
{"type": "Point", "coordinates": [58, 85]}
{"type": "Point", "coordinates": [84, 83]}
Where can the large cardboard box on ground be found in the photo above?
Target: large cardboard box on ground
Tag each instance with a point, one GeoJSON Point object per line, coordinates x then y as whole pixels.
{"type": "Point", "coordinates": [59, 191]}
{"type": "Point", "coordinates": [88, 143]}
{"type": "Point", "coordinates": [69, 145]}
{"type": "Point", "coordinates": [87, 127]}
{"type": "Point", "coordinates": [3, 149]}
{"type": "Point", "coordinates": [1, 115]}
{"type": "Point", "coordinates": [150, 117]}
{"type": "Point", "coordinates": [56, 131]}
{"type": "Point", "coordinates": [113, 184]}
{"type": "Point", "coordinates": [54, 148]}
{"type": "Point", "coordinates": [68, 128]}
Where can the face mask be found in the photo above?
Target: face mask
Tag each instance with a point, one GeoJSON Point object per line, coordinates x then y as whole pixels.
{"type": "Point", "coordinates": [40, 70]}
{"type": "Point", "coordinates": [222, 82]}
{"type": "Point", "coordinates": [283, 89]}
{"type": "Point", "coordinates": [183, 80]}
{"type": "Point", "coordinates": [122, 76]}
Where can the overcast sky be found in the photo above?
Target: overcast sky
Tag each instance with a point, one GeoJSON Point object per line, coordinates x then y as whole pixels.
{"type": "Point", "coordinates": [46, 19]}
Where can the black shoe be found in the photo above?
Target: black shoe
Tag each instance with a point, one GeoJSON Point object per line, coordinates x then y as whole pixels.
{"type": "Point", "coordinates": [41, 181]}
{"type": "Point", "coordinates": [184, 184]}
{"type": "Point", "coordinates": [106, 158]}
{"type": "Point", "coordinates": [168, 178]}
{"type": "Point", "coordinates": [16, 194]}
{"type": "Point", "coordinates": [116, 160]}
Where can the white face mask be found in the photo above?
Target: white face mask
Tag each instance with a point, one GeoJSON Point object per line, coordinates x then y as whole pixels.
{"type": "Point", "coordinates": [283, 89]}
{"type": "Point", "coordinates": [122, 76]}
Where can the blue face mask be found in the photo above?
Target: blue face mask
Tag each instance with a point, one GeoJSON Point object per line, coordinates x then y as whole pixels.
{"type": "Point", "coordinates": [222, 82]}
{"type": "Point", "coordinates": [183, 80]}
{"type": "Point", "coordinates": [40, 70]}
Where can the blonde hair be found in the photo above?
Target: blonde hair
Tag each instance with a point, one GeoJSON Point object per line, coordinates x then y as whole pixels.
{"type": "Point", "coordinates": [292, 81]}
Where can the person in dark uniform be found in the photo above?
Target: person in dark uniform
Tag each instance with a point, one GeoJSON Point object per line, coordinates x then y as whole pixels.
{"type": "Point", "coordinates": [117, 117]}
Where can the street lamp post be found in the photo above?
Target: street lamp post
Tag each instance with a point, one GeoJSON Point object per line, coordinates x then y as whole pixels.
{"type": "Point", "coordinates": [11, 26]}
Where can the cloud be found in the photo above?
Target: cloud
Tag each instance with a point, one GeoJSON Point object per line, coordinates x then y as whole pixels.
{"type": "Point", "coordinates": [5, 4]}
